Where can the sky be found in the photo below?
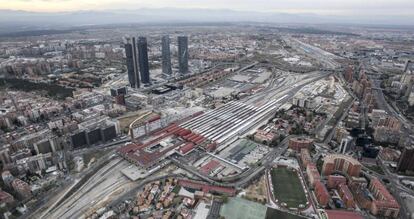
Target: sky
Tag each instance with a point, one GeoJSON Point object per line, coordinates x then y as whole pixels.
{"type": "Point", "coordinates": [321, 7]}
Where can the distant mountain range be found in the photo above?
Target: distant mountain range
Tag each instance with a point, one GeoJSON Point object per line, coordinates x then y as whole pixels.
{"type": "Point", "coordinates": [25, 19]}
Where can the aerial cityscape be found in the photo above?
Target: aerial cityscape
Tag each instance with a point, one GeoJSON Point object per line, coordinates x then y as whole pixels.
{"type": "Point", "coordinates": [206, 112]}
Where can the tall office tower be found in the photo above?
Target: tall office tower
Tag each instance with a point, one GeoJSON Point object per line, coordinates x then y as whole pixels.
{"type": "Point", "coordinates": [166, 55]}
{"type": "Point", "coordinates": [183, 54]}
{"type": "Point", "coordinates": [143, 60]}
{"type": "Point", "coordinates": [132, 62]}
{"type": "Point", "coordinates": [406, 162]}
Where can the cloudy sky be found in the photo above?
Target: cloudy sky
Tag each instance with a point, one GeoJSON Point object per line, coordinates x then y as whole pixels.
{"type": "Point", "coordinates": [322, 7]}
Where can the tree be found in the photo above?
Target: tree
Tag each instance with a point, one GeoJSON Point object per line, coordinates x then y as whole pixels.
{"type": "Point", "coordinates": [225, 198]}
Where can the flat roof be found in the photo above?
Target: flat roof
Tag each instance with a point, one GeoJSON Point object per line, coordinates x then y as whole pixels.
{"type": "Point", "coordinates": [336, 214]}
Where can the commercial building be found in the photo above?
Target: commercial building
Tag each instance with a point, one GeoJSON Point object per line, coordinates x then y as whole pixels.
{"type": "Point", "coordinates": [407, 77]}
{"type": "Point", "coordinates": [5, 198]}
{"type": "Point", "coordinates": [5, 155]}
{"type": "Point", "coordinates": [119, 94]}
{"type": "Point", "coordinates": [48, 145]}
{"type": "Point", "coordinates": [22, 189]}
{"type": "Point", "coordinates": [340, 133]}
{"type": "Point", "coordinates": [132, 62]}
{"type": "Point", "coordinates": [341, 163]}
{"type": "Point", "coordinates": [93, 131]}
{"type": "Point", "coordinates": [7, 178]}
{"type": "Point", "coordinates": [143, 60]}
{"type": "Point", "coordinates": [389, 154]}
{"type": "Point", "coordinates": [166, 55]}
{"type": "Point", "coordinates": [385, 134]}
{"type": "Point", "coordinates": [406, 162]}
{"type": "Point", "coordinates": [183, 54]}
{"type": "Point", "coordinates": [346, 144]}
{"type": "Point", "coordinates": [37, 163]}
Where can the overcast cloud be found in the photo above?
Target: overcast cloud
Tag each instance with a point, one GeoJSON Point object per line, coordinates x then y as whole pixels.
{"type": "Point", "coordinates": [322, 7]}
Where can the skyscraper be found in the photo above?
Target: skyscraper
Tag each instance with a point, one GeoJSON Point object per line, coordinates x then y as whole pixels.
{"type": "Point", "coordinates": [406, 162]}
{"type": "Point", "coordinates": [166, 55]}
{"type": "Point", "coordinates": [143, 60]}
{"type": "Point", "coordinates": [183, 54]}
{"type": "Point", "coordinates": [132, 62]}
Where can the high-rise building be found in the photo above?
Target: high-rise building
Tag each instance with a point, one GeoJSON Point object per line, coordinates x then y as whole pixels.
{"type": "Point", "coordinates": [183, 54]}
{"type": "Point", "coordinates": [143, 60]}
{"type": "Point", "coordinates": [383, 203]}
{"type": "Point", "coordinates": [346, 144]}
{"type": "Point", "coordinates": [406, 162]}
{"type": "Point", "coordinates": [132, 62]}
{"type": "Point", "coordinates": [341, 163]}
{"type": "Point", "coordinates": [166, 55]}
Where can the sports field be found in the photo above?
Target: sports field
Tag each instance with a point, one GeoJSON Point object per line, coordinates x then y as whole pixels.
{"type": "Point", "coordinates": [238, 208]}
{"type": "Point", "coordinates": [277, 214]}
{"type": "Point", "coordinates": [287, 187]}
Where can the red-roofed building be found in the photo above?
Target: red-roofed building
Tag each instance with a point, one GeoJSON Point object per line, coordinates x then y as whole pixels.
{"type": "Point", "coordinates": [336, 214]}
{"type": "Point", "coordinates": [321, 193]}
{"type": "Point", "coordinates": [342, 163]}
{"type": "Point", "coordinates": [211, 147]}
{"type": "Point", "coordinates": [384, 203]}
{"type": "Point", "coordinates": [209, 167]}
{"type": "Point", "coordinates": [5, 198]}
{"type": "Point", "coordinates": [22, 189]}
{"type": "Point", "coordinates": [205, 187]}
{"type": "Point", "coordinates": [346, 195]}
{"type": "Point", "coordinates": [335, 180]}
{"type": "Point", "coordinates": [298, 143]}
{"type": "Point", "coordinates": [313, 174]}
{"type": "Point", "coordinates": [186, 148]}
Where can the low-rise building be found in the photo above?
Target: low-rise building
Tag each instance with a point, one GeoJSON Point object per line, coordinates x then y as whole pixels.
{"type": "Point", "coordinates": [335, 180]}
{"type": "Point", "coordinates": [298, 143]}
{"type": "Point", "coordinates": [22, 189]}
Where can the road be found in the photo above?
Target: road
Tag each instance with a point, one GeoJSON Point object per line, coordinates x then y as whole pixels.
{"type": "Point", "coordinates": [244, 178]}
{"type": "Point", "coordinates": [101, 185]}
{"type": "Point", "coordinates": [383, 104]}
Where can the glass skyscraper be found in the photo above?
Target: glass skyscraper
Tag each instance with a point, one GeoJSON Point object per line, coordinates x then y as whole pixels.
{"type": "Point", "coordinates": [166, 55]}
{"type": "Point", "coordinates": [143, 60]}
{"type": "Point", "coordinates": [183, 54]}
{"type": "Point", "coordinates": [132, 62]}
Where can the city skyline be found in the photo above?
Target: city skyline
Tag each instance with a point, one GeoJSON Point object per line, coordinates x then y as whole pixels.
{"type": "Point", "coordinates": [207, 109]}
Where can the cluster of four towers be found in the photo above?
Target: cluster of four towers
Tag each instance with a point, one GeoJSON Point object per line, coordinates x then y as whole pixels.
{"type": "Point", "coordinates": [137, 59]}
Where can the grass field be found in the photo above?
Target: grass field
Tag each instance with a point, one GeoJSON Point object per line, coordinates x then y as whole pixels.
{"type": "Point", "coordinates": [287, 187]}
{"type": "Point", "coordinates": [238, 208]}
{"type": "Point", "coordinates": [376, 169]}
{"type": "Point", "coordinates": [276, 214]}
